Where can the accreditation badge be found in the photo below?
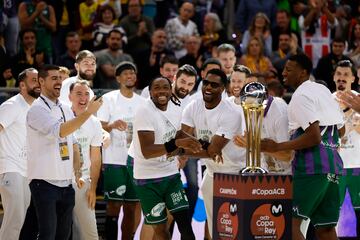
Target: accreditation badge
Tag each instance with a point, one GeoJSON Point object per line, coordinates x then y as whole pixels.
{"type": "Point", "coordinates": [64, 151]}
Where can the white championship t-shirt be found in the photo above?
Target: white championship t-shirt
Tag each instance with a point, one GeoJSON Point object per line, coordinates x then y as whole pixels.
{"type": "Point", "coordinates": [224, 121]}
{"type": "Point", "coordinates": [89, 134]}
{"type": "Point", "coordinates": [164, 124]}
{"type": "Point", "coordinates": [13, 152]}
{"type": "Point", "coordinates": [116, 106]}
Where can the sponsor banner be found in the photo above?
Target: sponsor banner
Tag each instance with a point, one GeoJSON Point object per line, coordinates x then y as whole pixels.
{"type": "Point", "coordinates": [252, 207]}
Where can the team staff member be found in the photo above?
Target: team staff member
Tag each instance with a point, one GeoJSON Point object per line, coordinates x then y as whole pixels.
{"type": "Point", "coordinates": [156, 173]}
{"type": "Point", "coordinates": [14, 188]}
{"type": "Point", "coordinates": [117, 116]}
{"type": "Point", "coordinates": [89, 137]}
{"type": "Point", "coordinates": [314, 120]}
{"type": "Point", "coordinates": [52, 148]}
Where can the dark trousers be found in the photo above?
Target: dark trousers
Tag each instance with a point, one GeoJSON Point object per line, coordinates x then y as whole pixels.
{"type": "Point", "coordinates": [29, 230]}
{"type": "Point", "coordinates": [53, 206]}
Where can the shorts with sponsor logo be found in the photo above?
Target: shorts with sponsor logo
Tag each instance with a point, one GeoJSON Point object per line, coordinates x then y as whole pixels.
{"type": "Point", "coordinates": [317, 197]}
{"type": "Point", "coordinates": [118, 183]}
{"type": "Point", "coordinates": [351, 181]}
{"type": "Point", "coordinates": [155, 196]}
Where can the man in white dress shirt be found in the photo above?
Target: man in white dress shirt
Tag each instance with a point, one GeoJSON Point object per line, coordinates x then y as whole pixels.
{"type": "Point", "coordinates": [53, 155]}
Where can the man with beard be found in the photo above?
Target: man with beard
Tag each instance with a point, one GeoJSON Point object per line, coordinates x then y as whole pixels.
{"type": "Point", "coordinates": [14, 189]}
{"type": "Point", "coordinates": [89, 136]}
{"type": "Point", "coordinates": [314, 120]}
{"type": "Point", "coordinates": [117, 116]}
{"type": "Point", "coordinates": [53, 155]}
{"type": "Point", "coordinates": [350, 147]}
{"type": "Point", "coordinates": [108, 59]}
{"type": "Point", "coordinates": [85, 64]}
{"type": "Point", "coordinates": [214, 121]}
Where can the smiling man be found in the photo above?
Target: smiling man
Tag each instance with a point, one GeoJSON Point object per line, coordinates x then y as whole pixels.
{"type": "Point", "coordinates": [15, 193]}
{"type": "Point", "coordinates": [117, 116]}
{"type": "Point", "coordinates": [85, 65]}
{"type": "Point", "coordinates": [53, 155]}
{"type": "Point", "coordinates": [214, 121]}
{"type": "Point", "coordinates": [314, 123]}
{"type": "Point", "coordinates": [89, 136]}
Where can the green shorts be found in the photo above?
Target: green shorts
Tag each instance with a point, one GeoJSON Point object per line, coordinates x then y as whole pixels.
{"type": "Point", "coordinates": [351, 182]}
{"type": "Point", "coordinates": [317, 197]}
{"type": "Point", "coordinates": [118, 183]}
{"type": "Point", "coordinates": [158, 194]}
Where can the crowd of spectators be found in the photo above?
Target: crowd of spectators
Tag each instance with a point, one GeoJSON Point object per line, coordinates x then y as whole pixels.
{"type": "Point", "coordinates": [264, 33]}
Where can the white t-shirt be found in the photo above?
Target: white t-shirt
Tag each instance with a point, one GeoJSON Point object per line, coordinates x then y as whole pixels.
{"type": "Point", "coordinates": [65, 90]}
{"type": "Point", "coordinates": [89, 134]}
{"type": "Point", "coordinates": [164, 124]}
{"type": "Point", "coordinates": [350, 142]}
{"type": "Point", "coordinates": [116, 106]}
{"type": "Point", "coordinates": [313, 102]}
{"type": "Point", "coordinates": [276, 127]}
{"type": "Point", "coordinates": [222, 120]}
{"type": "Point", "coordinates": [145, 92]}
{"type": "Point", "coordinates": [13, 136]}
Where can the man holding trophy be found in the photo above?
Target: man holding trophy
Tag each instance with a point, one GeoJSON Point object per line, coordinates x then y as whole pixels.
{"type": "Point", "coordinates": [315, 123]}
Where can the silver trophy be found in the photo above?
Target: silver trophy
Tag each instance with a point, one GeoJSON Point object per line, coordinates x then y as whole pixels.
{"type": "Point", "coordinates": [253, 98]}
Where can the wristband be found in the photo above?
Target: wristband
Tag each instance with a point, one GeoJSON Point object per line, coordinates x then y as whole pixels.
{"type": "Point", "coordinates": [170, 146]}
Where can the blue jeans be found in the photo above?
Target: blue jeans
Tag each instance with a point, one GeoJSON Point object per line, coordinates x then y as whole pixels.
{"type": "Point", "coordinates": [192, 189]}
{"type": "Point", "coordinates": [54, 206]}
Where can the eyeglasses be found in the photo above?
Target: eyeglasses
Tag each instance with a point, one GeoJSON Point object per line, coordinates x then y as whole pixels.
{"type": "Point", "coordinates": [212, 84]}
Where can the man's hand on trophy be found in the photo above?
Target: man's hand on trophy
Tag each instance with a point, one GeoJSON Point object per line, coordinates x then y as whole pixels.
{"type": "Point", "coordinates": [240, 140]}
{"type": "Point", "coordinates": [269, 145]}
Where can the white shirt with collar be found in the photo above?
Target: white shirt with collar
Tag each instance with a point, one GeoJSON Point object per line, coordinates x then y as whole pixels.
{"type": "Point", "coordinates": [43, 138]}
{"type": "Point", "coordinates": [13, 136]}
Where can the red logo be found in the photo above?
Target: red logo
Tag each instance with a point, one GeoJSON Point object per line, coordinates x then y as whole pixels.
{"type": "Point", "coordinates": [227, 221]}
{"type": "Point", "coordinates": [268, 222]}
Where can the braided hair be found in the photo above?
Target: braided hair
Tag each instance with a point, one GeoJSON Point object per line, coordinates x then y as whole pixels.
{"type": "Point", "coordinates": [173, 98]}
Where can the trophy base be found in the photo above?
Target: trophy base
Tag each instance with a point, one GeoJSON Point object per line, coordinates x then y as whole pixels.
{"type": "Point", "coordinates": [253, 170]}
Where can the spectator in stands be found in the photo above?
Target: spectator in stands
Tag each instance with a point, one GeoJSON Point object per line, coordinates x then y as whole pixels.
{"type": "Point", "coordinates": [67, 20]}
{"type": "Point", "coordinates": [41, 17]}
{"type": "Point", "coordinates": [288, 46]}
{"type": "Point", "coordinates": [28, 56]}
{"type": "Point", "coordinates": [108, 59]}
{"type": "Point", "coordinates": [255, 58]}
{"type": "Point", "coordinates": [179, 28]}
{"type": "Point", "coordinates": [327, 64]}
{"type": "Point", "coordinates": [282, 26]}
{"type": "Point", "coordinates": [354, 43]}
{"type": "Point", "coordinates": [149, 61]}
{"type": "Point", "coordinates": [87, 10]}
{"type": "Point", "coordinates": [138, 28]}
{"type": "Point", "coordinates": [342, 14]}
{"type": "Point", "coordinates": [193, 55]}
{"type": "Point", "coordinates": [260, 28]}
{"type": "Point", "coordinates": [246, 11]}
{"type": "Point", "coordinates": [106, 23]}
{"type": "Point", "coordinates": [73, 45]}
{"type": "Point", "coordinates": [213, 36]}
{"type": "Point", "coordinates": [316, 26]}
{"type": "Point", "coordinates": [12, 27]}
{"type": "Point", "coordinates": [6, 78]}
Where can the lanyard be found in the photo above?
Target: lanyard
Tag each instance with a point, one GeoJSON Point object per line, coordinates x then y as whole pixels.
{"type": "Point", "coordinates": [62, 111]}
{"type": "Point", "coordinates": [270, 99]}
